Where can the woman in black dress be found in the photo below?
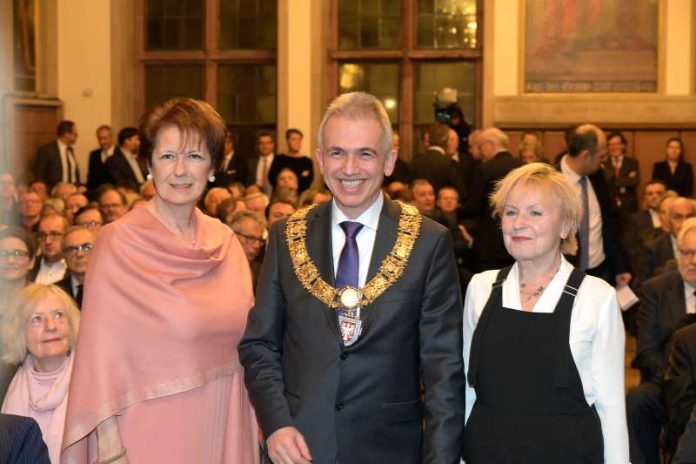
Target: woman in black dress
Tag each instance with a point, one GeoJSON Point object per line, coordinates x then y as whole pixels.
{"type": "Point", "coordinates": [676, 173]}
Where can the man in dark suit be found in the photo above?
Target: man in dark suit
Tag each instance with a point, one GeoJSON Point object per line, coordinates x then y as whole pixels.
{"type": "Point", "coordinates": [55, 161]}
{"type": "Point", "coordinates": [599, 253]}
{"type": "Point", "coordinates": [375, 374]}
{"type": "Point", "coordinates": [259, 166]}
{"type": "Point", "coordinates": [623, 176]}
{"type": "Point", "coordinates": [662, 251]}
{"type": "Point", "coordinates": [98, 173]}
{"type": "Point", "coordinates": [679, 385]}
{"type": "Point", "coordinates": [233, 167]}
{"type": "Point", "coordinates": [123, 166]}
{"type": "Point", "coordinates": [21, 441]}
{"type": "Point", "coordinates": [686, 452]}
{"type": "Point", "coordinates": [645, 225]}
{"type": "Point", "coordinates": [665, 302]}
{"type": "Point", "coordinates": [78, 244]}
{"type": "Point", "coordinates": [489, 250]}
{"type": "Point", "coordinates": [434, 165]}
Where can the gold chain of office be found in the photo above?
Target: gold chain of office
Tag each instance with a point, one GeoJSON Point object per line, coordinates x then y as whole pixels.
{"type": "Point", "coordinates": [389, 272]}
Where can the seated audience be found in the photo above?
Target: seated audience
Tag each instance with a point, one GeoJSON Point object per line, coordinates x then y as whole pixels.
{"type": "Point", "coordinates": [237, 189]}
{"type": "Point", "coordinates": [213, 198]}
{"type": "Point", "coordinates": [21, 441]}
{"type": "Point", "coordinates": [256, 202]}
{"type": "Point", "coordinates": [279, 209]}
{"type": "Point", "coordinates": [8, 199]}
{"type": "Point", "coordinates": [228, 208]}
{"type": "Point", "coordinates": [39, 332]}
{"type": "Point", "coordinates": [285, 193]}
{"type": "Point", "coordinates": [51, 267]}
{"type": "Point", "coordinates": [677, 174]}
{"type": "Point", "coordinates": [686, 451]}
{"type": "Point", "coordinates": [63, 190]}
{"type": "Point", "coordinates": [90, 217]}
{"type": "Point", "coordinates": [680, 377]}
{"type": "Point", "coordinates": [148, 190]}
{"type": "Point", "coordinates": [53, 206]}
{"type": "Point", "coordinates": [665, 301]}
{"type": "Point", "coordinates": [531, 151]}
{"type": "Point", "coordinates": [78, 244]}
{"type": "Point", "coordinates": [314, 196]}
{"type": "Point", "coordinates": [41, 189]}
{"type": "Point", "coordinates": [17, 250]}
{"type": "Point", "coordinates": [30, 206]}
{"type": "Point", "coordinates": [112, 203]}
{"type": "Point", "coordinates": [73, 204]}
{"type": "Point", "coordinates": [250, 229]}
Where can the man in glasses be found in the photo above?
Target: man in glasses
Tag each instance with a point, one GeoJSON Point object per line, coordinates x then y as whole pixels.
{"type": "Point", "coordinates": [77, 249]}
{"type": "Point", "coordinates": [91, 217]}
{"type": "Point", "coordinates": [51, 267]}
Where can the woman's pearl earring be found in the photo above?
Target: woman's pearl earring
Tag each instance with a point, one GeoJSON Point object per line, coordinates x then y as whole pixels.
{"type": "Point", "coordinates": [149, 176]}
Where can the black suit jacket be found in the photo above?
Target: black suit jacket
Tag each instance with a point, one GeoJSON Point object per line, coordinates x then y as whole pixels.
{"type": "Point", "coordinates": [438, 169]}
{"type": "Point", "coordinates": [611, 236]}
{"type": "Point", "coordinates": [235, 171]}
{"type": "Point", "coordinates": [659, 253]}
{"type": "Point", "coordinates": [680, 384]}
{"type": "Point", "coordinates": [682, 181]}
{"type": "Point", "coordinates": [623, 188]}
{"type": "Point", "coordinates": [489, 250]}
{"type": "Point", "coordinates": [686, 452]}
{"type": "Point", "coordinates": [21, 441]}
{"type": "Point", "coordinates": [362, 403]}
{"type": "Point", "coordinates": [98, 173]}
{"type": "Point", "coordinates": [66, 284]}
{"type": "Point", "coordinates": [662, 310]}
{"type": "Point", "coordinates": [48, 167]}
{"type": "Point", "coordinates": [121, 172]}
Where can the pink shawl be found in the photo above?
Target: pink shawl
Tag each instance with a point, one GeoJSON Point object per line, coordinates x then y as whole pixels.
{"type": "Point", "coordinates": [160, 316]}
{"type": "Point", "coordinates": [42, 396]}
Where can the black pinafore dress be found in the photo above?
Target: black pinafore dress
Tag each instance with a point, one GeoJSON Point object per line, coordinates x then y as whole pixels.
{"type": "Point", "coordinates": [530, 406]}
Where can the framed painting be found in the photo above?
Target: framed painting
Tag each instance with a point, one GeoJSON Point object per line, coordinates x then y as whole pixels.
{"type": "Point", "coordinates": [590, 46]}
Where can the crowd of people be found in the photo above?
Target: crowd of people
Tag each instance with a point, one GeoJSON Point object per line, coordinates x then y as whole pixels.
{"type": "Point", "coordinates": [379, 304]}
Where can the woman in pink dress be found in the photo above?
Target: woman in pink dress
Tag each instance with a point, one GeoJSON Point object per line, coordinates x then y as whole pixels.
{"type": "Point", "coordinates": [166, 302]}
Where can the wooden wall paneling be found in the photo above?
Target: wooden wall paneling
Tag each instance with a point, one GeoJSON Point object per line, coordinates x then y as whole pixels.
{"type": "Point", "coordinates": [554, 143]}
{"type": "Point", "coordinates": [689, 139]}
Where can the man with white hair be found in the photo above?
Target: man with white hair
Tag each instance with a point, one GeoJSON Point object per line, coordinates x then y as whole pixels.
{"type": "Point", "coordinates": [488, 249]}
{"type": "Point", "coordinates": [352, 351]}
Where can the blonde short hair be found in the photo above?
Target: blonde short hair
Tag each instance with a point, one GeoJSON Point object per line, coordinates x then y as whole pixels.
{"type": "Point", "coordinates": [13, 331]}
{"type": "Point", "coordinates": [544, 177]}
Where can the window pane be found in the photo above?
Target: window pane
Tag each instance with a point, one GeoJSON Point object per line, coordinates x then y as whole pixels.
{"type": "Point", "coordinates": [368, 24]}
{"type": "Point", "coordinates": [248, 24]}
{"type": "Point", "coordinates": [163, 82]}
{"type": "Point", "coordinates": [433, 77]}
{"type": "Point", "coordinates": [247, 93]}
{"type": "Point", "coordinates": [446, 24]}
{"type": "Point", "coordinates": [174, 25]}
{"type": "Point", "coordinates": [381, 80]}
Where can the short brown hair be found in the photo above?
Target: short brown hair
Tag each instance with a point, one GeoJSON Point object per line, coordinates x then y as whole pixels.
{"type": "Point", "coordinates": [190, 116]}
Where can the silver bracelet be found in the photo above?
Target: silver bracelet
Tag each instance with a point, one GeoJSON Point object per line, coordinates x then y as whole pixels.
{"type": "Point", "coordinates": [112, 459]}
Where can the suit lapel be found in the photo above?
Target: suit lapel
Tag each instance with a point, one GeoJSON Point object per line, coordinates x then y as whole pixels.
{"type": "Point", "coordinates": [319, 249]}
{"type": "Point", "coordinates": [678, 308]}
{"type": "Point", "coordinates": [384, 242]}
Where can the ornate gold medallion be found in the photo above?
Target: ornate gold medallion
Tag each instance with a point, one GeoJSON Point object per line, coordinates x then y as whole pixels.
{"type": "Point", "coordinates": [389, 272]}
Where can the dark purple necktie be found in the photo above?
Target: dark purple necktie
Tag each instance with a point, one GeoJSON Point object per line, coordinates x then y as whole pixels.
{"type": "Point", "coordinates": [349, 262]}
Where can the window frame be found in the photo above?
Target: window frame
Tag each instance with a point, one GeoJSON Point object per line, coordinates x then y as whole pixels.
{"type": "Point", "coordinates": [408, 55]}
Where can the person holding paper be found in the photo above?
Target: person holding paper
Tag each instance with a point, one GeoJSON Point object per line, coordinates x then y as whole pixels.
{"type": "Point", "coordinates": [543, 341]}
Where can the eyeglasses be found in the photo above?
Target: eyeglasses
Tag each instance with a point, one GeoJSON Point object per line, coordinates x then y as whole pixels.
{"type": "Point", "coordinates": [687, 253]}
{"type": "Point", "coordinates": [250, 238]}
{"type": "Point", "coordinates": [52, 235]}
{"type": "Point", "coordinates": [89, 224]}
{"type": "Point", "coordinates": [38, 320]}
{"type": "Point", "coordinates": [74, 250]}
{"type": "Point", "coordinates": [6, 254]}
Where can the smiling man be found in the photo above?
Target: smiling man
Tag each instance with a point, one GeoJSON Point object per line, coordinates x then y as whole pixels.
{"type": "Point", "coordinates": [353, 349]}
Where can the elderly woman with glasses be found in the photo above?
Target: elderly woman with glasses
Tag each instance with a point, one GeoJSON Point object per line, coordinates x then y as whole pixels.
{"type": "Point", "coordinates": [17, 249]}
{"type": "Point", "coordinates": [39, 332]}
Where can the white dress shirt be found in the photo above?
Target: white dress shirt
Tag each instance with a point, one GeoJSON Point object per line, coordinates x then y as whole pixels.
{"type": "Point", "coordinates": [135, 167]}
{"type": "Point", "coordinates": [50, 273]}
{"type": "Point", "coordinates": [596, 251]}
{"type": "Point", "coordinates": [690, 298]}
{"type": "Point", "coordinates": [596, 344]}
{"type": "Point", "coordinates": [655, 218]}
{"type": "Point", "coordinates": [106, 154]}
{"type": "Point", "coordinates": [261, 176]}
{"type": "Point", "coordinates": [67, 174]}
{"type": "Point", "coordinates": [365, 238]}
